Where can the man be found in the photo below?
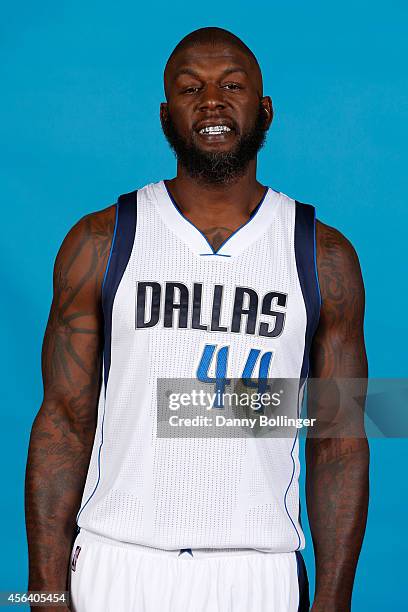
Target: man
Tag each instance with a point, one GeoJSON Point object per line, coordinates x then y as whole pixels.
{"type": "Point", "coordinates": [208, 276]}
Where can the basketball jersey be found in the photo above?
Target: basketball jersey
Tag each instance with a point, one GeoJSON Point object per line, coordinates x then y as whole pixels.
{"type": "Point", "coordinates": [171, 305]}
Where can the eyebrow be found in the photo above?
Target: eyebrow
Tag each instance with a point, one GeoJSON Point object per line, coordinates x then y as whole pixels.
{"type": "Point", "coordinates": [194, 74]}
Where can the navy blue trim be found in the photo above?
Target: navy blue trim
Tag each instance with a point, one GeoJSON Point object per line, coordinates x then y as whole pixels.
{"type": "Point", "coordinates": [214, 255]}
{"type": "Point", "coordinates": [215, 252]}
{"type": "Point", "coordinates": [315, 259]}
{"type": "Point", "coordinates": [305, 254]}
{"type": "Point", "coordinates": [292, 476]}
{"type": "Point", "coordinates": [304, 600]}
{"type": "Point", "coordinates": [111, 247]}
{"type": "Point", "coordinates": [99, 464]}
{"type": "Point", "coordinates": [287, 490]}
{"type": "Point", "coordinates": [120, 250]}
{"type": "Point", "coordinates": [187, 550]}
{"type": "Point", "coordinates": [120, 253]}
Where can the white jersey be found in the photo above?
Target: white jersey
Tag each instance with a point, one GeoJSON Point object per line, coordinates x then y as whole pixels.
{"type": "Point", "coordinates": [175, 308]}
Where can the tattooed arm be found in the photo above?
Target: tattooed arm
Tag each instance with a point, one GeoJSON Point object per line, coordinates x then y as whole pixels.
{"type": "Point", "coordinates": [337, 455]}
{"type": "Point", "coordinates": [63, 430]}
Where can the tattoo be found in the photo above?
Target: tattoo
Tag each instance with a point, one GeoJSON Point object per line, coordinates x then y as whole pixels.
{"type": "Point", "coordinates": [337, 499]}
{"type": "Point", "coordinates": [338, 347]}
{"type": "Point", "coordinates": [63, 431]}
{"type": "Point", "coordinates": [335, 449]}
{"type": "Point", "coordinates": [217, 235]}
{"type": "Point", "coordinates": [337, 468]}
{"type": "Point", "coordinates": [61, 347]}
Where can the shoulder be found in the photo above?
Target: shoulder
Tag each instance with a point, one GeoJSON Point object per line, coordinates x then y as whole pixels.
{"type": "Point", "coordinates": [92, 227]}
{"type": "Point", "coordinates": [85, 249]}
{"type": "Point", "coordinates": [339, 274]}
{"type": "Point", "coordinates": [334, 252]}
{"type": "Point", "coordinates": [329, 239]}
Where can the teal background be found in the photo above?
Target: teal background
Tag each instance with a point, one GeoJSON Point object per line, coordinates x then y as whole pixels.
{"type": "Point", "coordinates": [81, 86]}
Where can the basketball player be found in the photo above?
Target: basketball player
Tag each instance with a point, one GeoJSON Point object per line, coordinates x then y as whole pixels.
{"type": "Point", "coordinates": [181, 279]}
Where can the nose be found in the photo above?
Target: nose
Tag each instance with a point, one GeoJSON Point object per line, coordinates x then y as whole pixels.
{"type": "Point", "coordinates": [211, 99]}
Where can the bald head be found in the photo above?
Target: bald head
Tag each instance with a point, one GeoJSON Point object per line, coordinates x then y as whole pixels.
{"type": "Point", "coordinates": [215, 116]}
{"type": "Point", "coordinates": [211, 37]}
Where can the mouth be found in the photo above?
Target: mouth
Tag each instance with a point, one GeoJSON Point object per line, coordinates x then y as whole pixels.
{"type": "Point", "coordinates": [214, 130]}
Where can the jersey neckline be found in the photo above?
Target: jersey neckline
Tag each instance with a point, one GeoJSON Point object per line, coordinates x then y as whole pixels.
{"type": "Point", "coordinates": [240, 239]}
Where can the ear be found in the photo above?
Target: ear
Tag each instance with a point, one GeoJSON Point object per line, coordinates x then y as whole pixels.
{"type": "Point", "coordinates": [266, 103]}
{"type": "Point", "coordinates": [164, 111]}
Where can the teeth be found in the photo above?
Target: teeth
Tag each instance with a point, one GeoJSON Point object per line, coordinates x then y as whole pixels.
{"type": "Point", "coordinates": [215, 129]}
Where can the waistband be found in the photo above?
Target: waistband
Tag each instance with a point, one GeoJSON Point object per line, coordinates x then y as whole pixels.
{"type": "Point", "coordinates": [181, 553]}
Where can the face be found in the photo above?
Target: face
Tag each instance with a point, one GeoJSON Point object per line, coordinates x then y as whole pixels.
{"type": "Point", "coordinates": [215, 118]}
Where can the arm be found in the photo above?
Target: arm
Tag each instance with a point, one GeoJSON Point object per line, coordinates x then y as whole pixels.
{"type": "Point", "coordinates": [337, 467]}
{"type": "Point", "coordinates": [63, 430]}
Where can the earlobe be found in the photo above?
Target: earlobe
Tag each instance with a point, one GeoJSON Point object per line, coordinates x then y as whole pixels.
{"type": "Point", "coordinates": [268, 110]}
{"type": "Point", "coordinates": [268, 117]}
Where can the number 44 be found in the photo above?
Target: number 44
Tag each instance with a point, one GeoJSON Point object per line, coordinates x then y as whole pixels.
{"type": "Point", "coordinates": [220, 354]}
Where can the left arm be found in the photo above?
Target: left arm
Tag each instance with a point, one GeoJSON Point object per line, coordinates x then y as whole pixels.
{"type": "Point", "coordinates": [337, 460]}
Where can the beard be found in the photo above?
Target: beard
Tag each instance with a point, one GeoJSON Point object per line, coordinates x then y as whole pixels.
{"type": "Point", "coordinates": [212, 167]}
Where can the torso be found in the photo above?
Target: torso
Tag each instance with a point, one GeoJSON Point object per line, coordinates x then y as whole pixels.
{"type": "Point", "coordinates": [176, 308]}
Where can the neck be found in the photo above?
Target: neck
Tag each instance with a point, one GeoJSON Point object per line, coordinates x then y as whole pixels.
{"type": "Point", "coordinates": [221, 202]}
{"type": "Point", "coordinates": [217, 210]}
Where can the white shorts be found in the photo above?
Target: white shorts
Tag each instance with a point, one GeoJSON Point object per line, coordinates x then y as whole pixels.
{"type": "Point", "coordinates": [111, 576]}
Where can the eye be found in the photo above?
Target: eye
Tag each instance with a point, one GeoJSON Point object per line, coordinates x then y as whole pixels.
{"type": "Point", "coordinates": [231, 86]}
{"type": "Point", "coordinates": [190, 90]}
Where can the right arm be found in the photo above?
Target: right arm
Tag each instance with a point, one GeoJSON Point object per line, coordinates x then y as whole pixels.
{"type": "Point", "coordinates": [63, 431]}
